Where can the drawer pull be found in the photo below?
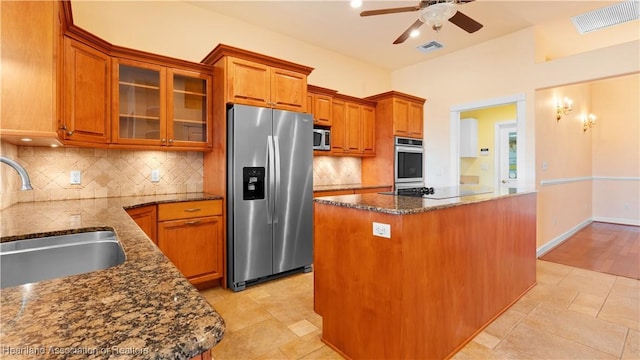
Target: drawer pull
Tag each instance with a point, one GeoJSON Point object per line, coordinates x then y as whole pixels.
{"type": "Point", "coordinates": [192, 222]}
{"type": "Point", "coordinates": [192, 210]}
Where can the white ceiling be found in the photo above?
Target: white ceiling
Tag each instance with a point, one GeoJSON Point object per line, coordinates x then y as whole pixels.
{"type": "Point", "coordinates": [334, 25]}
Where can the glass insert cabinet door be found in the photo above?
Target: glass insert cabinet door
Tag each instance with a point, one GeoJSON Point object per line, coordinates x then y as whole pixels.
{"type": "Point", "coordinates": [161, 106]}
{"type": "Point", "coordinates": [188, 104]}
{"type": "Point", "coordinates": [141, 103]}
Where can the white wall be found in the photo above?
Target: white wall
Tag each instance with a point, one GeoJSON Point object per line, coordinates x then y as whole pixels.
{"type": "Point", "coordinates": [184, 31]}
{"type": "Point", "coordinates": [497, 68]}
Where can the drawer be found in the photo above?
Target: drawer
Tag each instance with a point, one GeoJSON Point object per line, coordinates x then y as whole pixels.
{"type": "Point", "coordinates": [189, 209]}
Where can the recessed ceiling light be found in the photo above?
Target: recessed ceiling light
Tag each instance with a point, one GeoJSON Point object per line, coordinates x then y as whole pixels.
{"type": "Point", "coordinates": [356, 3]}
{"type": "Point", "coordinates": [54, 145]}
{"type": "Point", "coordinates": [26, 139]}
{"type": "Point", "coordinates": [414, 33]}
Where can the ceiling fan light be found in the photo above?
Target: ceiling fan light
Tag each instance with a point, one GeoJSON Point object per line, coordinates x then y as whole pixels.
{"type": "Point", "coordinates": [437, 13]}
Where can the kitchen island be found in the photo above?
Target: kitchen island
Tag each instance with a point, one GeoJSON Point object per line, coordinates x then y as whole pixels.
{"type": "Point", "coordinates": [447, 269]}
{"type": "Point", "coordinates": [141, 309]}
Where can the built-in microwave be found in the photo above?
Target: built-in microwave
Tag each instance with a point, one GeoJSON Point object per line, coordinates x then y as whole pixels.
{"type": "Point", "coordinates": [408, 163]}
{"type": "Point", "coordinates": [321, 139]}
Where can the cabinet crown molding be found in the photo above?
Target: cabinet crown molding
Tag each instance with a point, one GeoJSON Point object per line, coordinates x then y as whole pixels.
{"type": "Point", "coordinates": [225, 50]}
{"type": "Point", "coordinates": [395, 94]}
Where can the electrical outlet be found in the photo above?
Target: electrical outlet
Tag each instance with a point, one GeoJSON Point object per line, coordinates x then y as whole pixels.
{"type": "Point", "coordinates": [155, 175]}
{"type": "Point", "coordinates": [382, 230]}
{"type": "Point", "coordinates": [75, 177]}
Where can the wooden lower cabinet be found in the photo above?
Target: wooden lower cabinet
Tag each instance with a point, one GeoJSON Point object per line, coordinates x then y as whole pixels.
{"type": "Point", "coordinates": [191, 235]}
{"type": "Point", "coordinates": [194, 246]}
{"type": "Point", "coordinates": [147, 219]}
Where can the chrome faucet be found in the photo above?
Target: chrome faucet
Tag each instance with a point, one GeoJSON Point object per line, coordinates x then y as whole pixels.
{"type": "Point", "coordinates": [26, 182]}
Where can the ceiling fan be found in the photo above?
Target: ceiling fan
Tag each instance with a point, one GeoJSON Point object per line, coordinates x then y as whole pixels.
{"type": "Point", "coordinates": [432, 12]}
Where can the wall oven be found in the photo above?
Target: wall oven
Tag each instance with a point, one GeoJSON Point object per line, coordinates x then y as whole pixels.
{"type": "Point", "coordinates": [408, 163]}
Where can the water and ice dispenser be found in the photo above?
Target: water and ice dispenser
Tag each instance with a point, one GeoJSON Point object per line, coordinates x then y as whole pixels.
{"type": "Point", "coordinates": [253, 183]}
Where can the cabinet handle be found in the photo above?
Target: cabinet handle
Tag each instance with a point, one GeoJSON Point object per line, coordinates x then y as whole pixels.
{"type": "Point", "coordinates": [192, 209]}
{"type": "Point", "coordinates": [170, 141]}
{"type": "Point", "coordinates": [191, 222]}
{"type": "Point", "coordinates": [64, 128]}
{"type": "Point", "coordinates": [163, 140]}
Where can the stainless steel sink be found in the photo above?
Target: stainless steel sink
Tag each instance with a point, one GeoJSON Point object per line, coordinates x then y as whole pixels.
{"type": "Point", "coordinates": [50, 257]}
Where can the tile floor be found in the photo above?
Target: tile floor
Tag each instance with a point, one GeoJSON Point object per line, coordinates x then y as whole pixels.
{"type": "Point", "coordinates": [570, 314]}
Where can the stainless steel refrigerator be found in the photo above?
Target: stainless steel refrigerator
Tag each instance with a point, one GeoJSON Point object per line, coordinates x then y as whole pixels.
{"type": "Point", "coordinates": [269, 194]}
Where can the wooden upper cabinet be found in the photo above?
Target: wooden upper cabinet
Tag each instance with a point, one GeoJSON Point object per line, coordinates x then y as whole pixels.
{"type": "Point", "coordinates": [249, 78]}
{"type": "Point", "coordinates": [248, 83]}
{"type": "Point", "coordinates": [368, 115]}
{"type": "Point", "coordinates": [402, 112]}
{"type": "Point", "coordinates": [338, 127]}
{"type": "Point", "coordinates": [288, 90]}
{"type": "Point", "coordinates": [188, 102]}
{"type": "Point", "coordinates": [159, 106]}
{"type": "Point", "coordinates": [407, 118]}
{"type": "Point", "coordinates": [252, 83]}
{"type": "Point", "coordinates": [416, 119]}
{"type": "Point", "coordinates": [31, 61]}
{"type": "Point", "coordinates": [400, 117]}
{"type": "Point", "coordinates": [353, 128]}
{"type": "Point", "coordinates": [319, 104]}
{"type": "Point", "coordinates": [86, 94]}
{"type": "Point", "coordinates": [321, 110]}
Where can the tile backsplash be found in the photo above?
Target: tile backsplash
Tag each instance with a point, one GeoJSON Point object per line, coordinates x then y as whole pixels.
{"type": "Point", "coordinates": [111, 173]}
{"type": "Point", "coordinates": [329, 170]}
{"type": "Point", "coordinates": [104, 173]}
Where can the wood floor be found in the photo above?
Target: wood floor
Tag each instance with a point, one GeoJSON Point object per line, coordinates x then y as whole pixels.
{"type": "Point", "coordinates": [603, 247]}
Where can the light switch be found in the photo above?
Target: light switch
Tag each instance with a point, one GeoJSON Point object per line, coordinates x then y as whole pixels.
{"type": "Point", "coordinates": [155, 175]}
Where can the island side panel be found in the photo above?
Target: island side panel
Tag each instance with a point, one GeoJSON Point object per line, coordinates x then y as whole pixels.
{"type": "Point", "coordinates": [356, 280]}
{"type": "Point", "coordinates": [463, 266]}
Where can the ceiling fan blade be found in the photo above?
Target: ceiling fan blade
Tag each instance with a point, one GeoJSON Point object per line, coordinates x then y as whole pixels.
{"type": "Point", "coordinates": [389, 11]}
{"type": "Point", "coordinates": [405, 35]}
{"type": "Point", "coordinates": [465, 23]}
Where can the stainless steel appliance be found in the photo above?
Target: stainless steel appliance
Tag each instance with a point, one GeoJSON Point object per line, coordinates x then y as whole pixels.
{"type": "Point", "coordinates": [439, 193]}
{"type": "Point", "coordinates": [408, 163]}
{"type": "Point", "coordinates": [269, 194]}
{"type": "Point", "coordinates": [321, 139]}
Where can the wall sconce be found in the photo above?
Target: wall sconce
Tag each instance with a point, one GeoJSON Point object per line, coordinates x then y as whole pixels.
{"type": "Point", "coordinates": [588, 121]}
{"type": "Point", "coordinates": [563, 107]}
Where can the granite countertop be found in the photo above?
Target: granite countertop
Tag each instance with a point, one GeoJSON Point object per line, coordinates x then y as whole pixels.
{"type": "Point", "coordinates": [142, 309]}
{"type": "Point", "coordinates": [405, 205]}
{"type": "Point", "coordinates": [319, 188]}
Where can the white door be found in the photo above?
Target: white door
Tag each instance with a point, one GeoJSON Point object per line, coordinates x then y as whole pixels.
{"type": "Point", "coordinates": [507, 159]}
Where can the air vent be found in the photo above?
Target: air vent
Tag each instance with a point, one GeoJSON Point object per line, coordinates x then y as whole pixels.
{"type": "Point", "coordinates": [607, 16]}
{"type": "Point", "coordinates": [430, 47]}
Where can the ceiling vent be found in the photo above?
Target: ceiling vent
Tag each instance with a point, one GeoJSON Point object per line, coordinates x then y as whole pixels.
{"type": "Point", "coordinates": [607, 16]}
{"type": "Point", "coordinates": [430, 47]}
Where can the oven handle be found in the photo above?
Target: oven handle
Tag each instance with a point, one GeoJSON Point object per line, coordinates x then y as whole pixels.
{"type": "Point", "coordinates": [416, 150]}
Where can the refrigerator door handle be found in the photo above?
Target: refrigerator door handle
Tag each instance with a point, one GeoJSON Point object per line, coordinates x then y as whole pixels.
{"type": "Point", "coordinates": [271, 179]}
{"type": "Point", "coordinates": [277, 180]}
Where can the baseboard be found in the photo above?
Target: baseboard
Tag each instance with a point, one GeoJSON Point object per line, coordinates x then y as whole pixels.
{"type": "Point", "coordinates": [621, 221]}
{"type": "Point", "coordinates": [558, 240]}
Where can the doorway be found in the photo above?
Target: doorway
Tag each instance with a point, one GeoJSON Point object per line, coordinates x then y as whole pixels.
{"type": "Point", "coordinates": [506, 143]}
{"type": "Point", "coordinates": [488, 152]}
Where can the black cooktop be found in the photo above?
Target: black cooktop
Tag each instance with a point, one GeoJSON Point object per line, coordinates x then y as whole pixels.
{"type": "Point", "coordinates": [441, 192]}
